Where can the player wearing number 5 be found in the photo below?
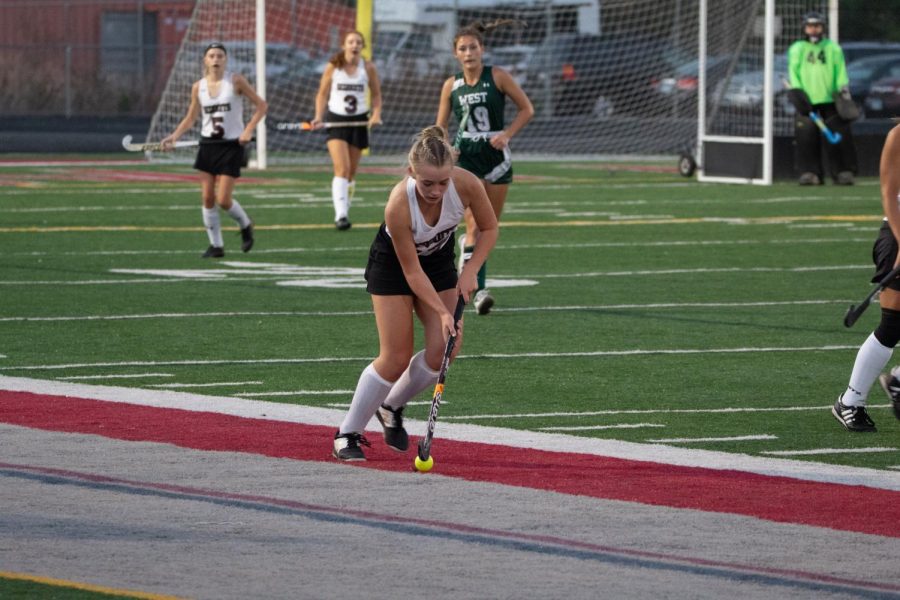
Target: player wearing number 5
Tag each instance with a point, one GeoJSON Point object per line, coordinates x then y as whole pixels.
{"type": "Point", "coordinates": [477, 97]}
{"type": "Point", "coordinates": [219, 97]}
{"type": "Point", "coordinates": [347, 86]}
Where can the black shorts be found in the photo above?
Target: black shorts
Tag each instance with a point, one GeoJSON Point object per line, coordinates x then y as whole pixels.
{"type": "Point", "coordinates": [357, 137]}
{"type": "Point", "coordinates": [220, 157]}
{"type": "Point", "coordinates": [884, 255]}
{"type": "Point", "coordinates": [384, 275]}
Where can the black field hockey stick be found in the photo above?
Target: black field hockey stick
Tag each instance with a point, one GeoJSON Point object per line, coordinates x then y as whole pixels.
{"type": "Point", "coordinates": [425, 443]}
{"type": "Point", "coordinates": [854, 312]}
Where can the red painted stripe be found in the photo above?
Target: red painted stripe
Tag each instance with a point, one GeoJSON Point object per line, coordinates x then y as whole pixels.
{"type": "Point", "coordinates": [781, 499]}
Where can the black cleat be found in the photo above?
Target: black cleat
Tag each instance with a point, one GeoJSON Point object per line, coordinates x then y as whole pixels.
{"type": "Point", "coordinates": [214, 252]}
{"type": "Point", "coordinates": [247, 237]}
{"type": "Point", "coordinates": [891, 387]}
{"type": "Point", "coordinates": [391, 420]}
{"type": "Point", "coordinates": [853, 418]}
{"type": "Point", "coordinates": [343, 224]}
{"type": "Point", "coordinates": [346, 446]}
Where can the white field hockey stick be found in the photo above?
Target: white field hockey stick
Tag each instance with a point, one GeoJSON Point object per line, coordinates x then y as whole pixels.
{"type": "Point", "coordinates": [154, 146]}
{"type": "Point", "coordinates": [425, 443]}
{"type": "Point", "coordinates": [462, 127]}
{"type": "Point", "coordinates": [307, 126]}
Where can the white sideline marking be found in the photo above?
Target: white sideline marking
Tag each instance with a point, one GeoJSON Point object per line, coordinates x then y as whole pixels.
{"type": "Point", "coordinates": [828, 451]}
{"type": "Point", "coordinates": [346, 405]}
{"type": "Point", "coordinates": [739, 438]}
{"type": "Point", "coordinates": [659, 411]}
{"type": "Point", "coordinates": [536, 440]}
{"type": "Point", "coordinates": [601, 427]}
{"type": "Point", "coordinates": [897, 467]}
{"type": "Point", "coordinates": [325, 359]}
{"type": "Point", "coordinates": [356, 313]}
{"type": "Point", "coordinates": [197, 385]}
{"type": "Point", "coordinates": [297, 393]}
{"type": "Point", "coordinates": [125, 376]}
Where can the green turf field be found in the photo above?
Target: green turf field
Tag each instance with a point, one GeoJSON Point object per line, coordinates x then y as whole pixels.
{"type": "Point", "coordinates": [632, 304]}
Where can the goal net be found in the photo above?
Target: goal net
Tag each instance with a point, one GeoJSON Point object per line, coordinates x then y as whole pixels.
{"type": "Point", "coordinates": [611, 77]}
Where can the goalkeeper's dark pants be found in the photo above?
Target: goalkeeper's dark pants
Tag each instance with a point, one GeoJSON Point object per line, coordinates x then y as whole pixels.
{"type": "Point", "coordinates": [809, 143]}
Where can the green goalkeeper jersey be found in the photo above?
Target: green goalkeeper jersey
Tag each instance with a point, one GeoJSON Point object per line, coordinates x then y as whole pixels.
{"type": "Point", "coordinates": [818, 69]}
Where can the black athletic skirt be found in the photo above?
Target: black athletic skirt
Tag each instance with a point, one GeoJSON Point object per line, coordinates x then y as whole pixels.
{"type": "Point", "coordinates": [384, 275]}
{"type": "Point", "coordinates": [220, 157]}
{"type": "Point", "coordinates": [884, 255]}
{"type": "Point", "coordinates": [355, 136]}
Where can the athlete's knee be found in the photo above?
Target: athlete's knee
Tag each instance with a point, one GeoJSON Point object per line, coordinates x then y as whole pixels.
{"type": "Point", "coordinates": [888, 331]}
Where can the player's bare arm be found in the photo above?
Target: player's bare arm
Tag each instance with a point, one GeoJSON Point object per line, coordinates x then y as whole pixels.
{"type": "Point", "coordinates": [242, 86]}
{"type": "Point", "coordinates": [506, 84]}
{"type": "Point", "coordinates": [322, 97]}
{"type": "Point", "coordinates": [375, 93]}
{"type": "Point", "coordinates": [188, 121]}
{"type": "Point", "coordinates": [471, 192]}
{"type": "Point", "coordinates": [444, 108]}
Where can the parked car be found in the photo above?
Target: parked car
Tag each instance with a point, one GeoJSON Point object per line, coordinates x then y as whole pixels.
{"type": "Point", "coordinates": [677, 87]}
{"type": "Point", "coordinates": [883, 99]}
{"type": "Point", "coordinates": [866, 71]}
{"type": "Point", "coordinates": [854, 51]}
{"type": "Point", "coordinates": [745, 90]}
{"type": "Point", "coordinates": [582, 74]}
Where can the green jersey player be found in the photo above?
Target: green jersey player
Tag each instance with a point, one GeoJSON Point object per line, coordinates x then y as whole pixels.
{"type": "Point", "coordinates": [477, 96]}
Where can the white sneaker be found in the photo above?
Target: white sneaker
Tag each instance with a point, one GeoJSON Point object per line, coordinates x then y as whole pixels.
{"type": "Point", "coordinates": [463, 255]}
{"type": "Point", "coordinates": [483, 302]}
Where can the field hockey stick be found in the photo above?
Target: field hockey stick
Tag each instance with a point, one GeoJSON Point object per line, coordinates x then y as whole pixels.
{"type": "Point", "coordinates": [800, 101]}
{"type": "Point", "coordinates": [462, 128]}
{"type": "Point", "coordinates": [425, 443]}
{"type": "Point", "coordinates": [154, 146]}
{"type": "Point", "coordinates": [854, 312]}
{"type": "Point", "coordinates": [307, 125]}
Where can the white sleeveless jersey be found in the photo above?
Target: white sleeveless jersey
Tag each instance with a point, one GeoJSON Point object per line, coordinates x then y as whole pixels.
{"type": "Point", "coordinates": [223, 116]}
{"type": "Point", "coordinates": [348, 92]}
{"type": "Point", "coordinates": [429, 239]}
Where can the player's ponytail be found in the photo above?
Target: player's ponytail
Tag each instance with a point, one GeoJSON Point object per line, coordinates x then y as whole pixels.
{"type": "Point", "coordinates": [478, 29]}
{"type": "Point", "coordinates": [430, 147]}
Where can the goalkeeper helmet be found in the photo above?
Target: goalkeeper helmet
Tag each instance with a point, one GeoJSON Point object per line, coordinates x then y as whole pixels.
{"type": "Point", "coordinates": [813, 18]}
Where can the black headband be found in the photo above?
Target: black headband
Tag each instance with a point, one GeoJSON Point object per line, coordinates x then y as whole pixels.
{"type": "Point", "coordinates": [218, 45]}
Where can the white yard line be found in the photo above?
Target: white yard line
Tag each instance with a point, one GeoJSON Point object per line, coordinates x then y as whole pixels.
{"type": "Point", "coordinates": [327, 359]}
{"type": "Point", "coordinates": [739, 438]}
{"type": "Point", "coordinates": [204, 315]}
{"type": "Point", "coordinates": [822, 451]}
{"type": "Point", "coordinates": [602, 427]}
{"type": "Point", "coordinates": [124, 376]}
{"type": "Point", "coordinates": [296, 393]}
{"type": "Point", "coordinates": [551, 442]}
{"type": "Point", "coordinates": [655, 411]}
{"type": "Point", "coordinates": [199, 385]}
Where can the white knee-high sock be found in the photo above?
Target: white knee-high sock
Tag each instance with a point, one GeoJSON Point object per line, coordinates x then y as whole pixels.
{"type": "Point", "coordinates": [371, 391]}
{"type": "Point", "coordinates": [237, 213]}
{"type": "Point", "coordinates": [213, 226]}
{"type": "Point", "coordinates": [417, 376]}
{"type": "Point", "coordinates": [351, 191]}
{"type": "Point", "coordinates": [871, 360]}
{"type": "Point", "coordinates": [340, 189]}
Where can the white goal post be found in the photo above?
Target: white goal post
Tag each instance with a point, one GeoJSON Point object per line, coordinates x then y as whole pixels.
{"type": "Point", "coordinates": [742, 46]}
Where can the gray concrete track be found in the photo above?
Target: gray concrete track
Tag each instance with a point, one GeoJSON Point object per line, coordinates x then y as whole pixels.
{"type": "Point", "coordinates": [245, 526]}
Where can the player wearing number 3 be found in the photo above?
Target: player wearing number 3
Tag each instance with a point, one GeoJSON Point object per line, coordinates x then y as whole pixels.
{"type": "Point", "coordinates": [219, 97]}
{"type": "Point", "coordinates": [477, 97]}
{"type": "Point", "coordinates": [348, 85]}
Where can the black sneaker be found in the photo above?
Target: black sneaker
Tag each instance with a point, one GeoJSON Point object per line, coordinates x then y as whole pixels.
{"type": "Point", "coordinates": [891, 387]}
{"type": "Point", "coordinates": [214, 252]}
{"type": "Point", "coordinates": [395, 435]}
{"type": "Point", "coordinates": [346, 446]}
{"type": "Point", "coordinates": [247, 237]}
{"type": "Point", "coordinates": [854, 418]}
{"type": "Point", "coordinates": [343, 224]}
